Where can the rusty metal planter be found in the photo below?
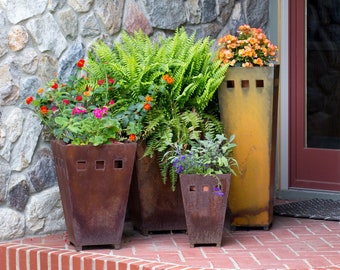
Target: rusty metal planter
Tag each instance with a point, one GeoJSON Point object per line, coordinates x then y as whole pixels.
{"type": "Point", "coordinates": [153, 206]}
{"type": "Point", "coordinates": [248, 100]}
{"type": "Point", "coordinates": [94, 183]}
{"type": "Point", "coordinates": [204, 210]}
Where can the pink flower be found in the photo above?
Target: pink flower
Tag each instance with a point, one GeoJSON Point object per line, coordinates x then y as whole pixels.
{"type": "Point", "coordinates": [78, 110]}
{"type": "Point", "coordinates": [65, 101]}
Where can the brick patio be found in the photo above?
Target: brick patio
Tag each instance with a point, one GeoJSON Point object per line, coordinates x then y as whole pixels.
{"type": "Point", "coordinates": [291, 243]}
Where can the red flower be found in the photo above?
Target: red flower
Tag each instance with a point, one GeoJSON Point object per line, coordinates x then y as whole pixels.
{"type": "Point", "coordinates": [81, 63]}
{"type": "Point", "coordinates": [43, 109]}
{"type": "Point", "coordinates": [79, 98]}
{"type": "Point", "coordinates": [29, 100]}
{"type": "Point", "coordinates": [132, 137]}
{"type": "Point", "coordinates": [54, 86]}
{"type": "Point", "coordinates": [147, 106]}
{"type": "Point", "coordinates": [65, 101]}
{"type": "Point", "coordinates": [100, 82]}
{"type": "Point", "coordinates": [111, 81]}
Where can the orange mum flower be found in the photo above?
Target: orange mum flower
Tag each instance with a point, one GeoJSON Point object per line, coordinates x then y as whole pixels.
{"type": "Point", "coordinates": [148, 99]}
{"type": "Point", "coordinates": [132, 137]}
{"type": "Point", "coordinates": [168, 79]}
{"type": "Point", "coordinates": [40, 91]}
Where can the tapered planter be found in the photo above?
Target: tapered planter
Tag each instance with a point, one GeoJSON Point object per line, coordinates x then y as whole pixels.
{"type": "Point", "coordinates": [204, 209]}
{"type": "Point", "coordinates": [248, 100]}
{"type": "Point", "coordinates": [153, 206]}
{"type": "Point", "coordinates": [94, 184]}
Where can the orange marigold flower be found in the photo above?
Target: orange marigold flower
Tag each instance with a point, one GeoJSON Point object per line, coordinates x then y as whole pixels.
{"type": "Point", "coordinates": [43, 109]}
{"type": "Point", "coordinates": [148, 99]}
{"type": "Point", "coordinates": [29, 100]}
{"type": "Point", "coordinates": [147, 106]}
{"type": "Point", "coordinates": [168, 79]}
{"type": "Point", "coordinates": [40, 91]}
{"type": "Point", "coordinates": [132, 137]}
{"type": "Point", "coordinates": [81, 63]}
{"type": "Point", "coordinates": [87, 93]}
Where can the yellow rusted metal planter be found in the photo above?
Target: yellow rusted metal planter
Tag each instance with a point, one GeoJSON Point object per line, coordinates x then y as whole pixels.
{"type": "Point", "coordinates": [248, 99]}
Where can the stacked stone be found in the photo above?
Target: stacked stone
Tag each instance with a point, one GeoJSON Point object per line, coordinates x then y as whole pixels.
{"type": "Point", "coordinates": [42, 38]}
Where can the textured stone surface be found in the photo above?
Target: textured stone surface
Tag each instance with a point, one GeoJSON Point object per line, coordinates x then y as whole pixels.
{"type": "Point", "coordinates": [19, 10]}
{"type": "Point", "coordinates": [42, 175]}
{"type": "Point", "coordinates": [44, 212]}
{"type": "Point", "coordinates": [47, 34]}
{"type": "Point", "coordinates": [18, 195]}
{"type": "Point", "coordinates": [17, 38]}
{"type": "Point", "coordinates": [12, 224]}
{"type": "Point", "coordinates": [67, 64]}
{"type": "Point", "coordinates": [43, 39]}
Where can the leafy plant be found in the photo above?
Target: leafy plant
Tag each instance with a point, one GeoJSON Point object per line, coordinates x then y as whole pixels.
{"type": "Point", "coordinates": [250, 48]}
{"type": "Point", "coordinates": [210, 156]}
{"type": "Point", "coordinates": [84, 110]}
{"type": "Point", "coordinates": [178, 74]}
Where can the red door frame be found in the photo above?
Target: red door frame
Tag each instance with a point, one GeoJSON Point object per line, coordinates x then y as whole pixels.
{"type": "Point", "coordinates": [310, 168]}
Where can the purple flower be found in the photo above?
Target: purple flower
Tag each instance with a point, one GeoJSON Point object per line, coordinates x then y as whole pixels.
{"type": "Point", "coordinates": [218, 191]}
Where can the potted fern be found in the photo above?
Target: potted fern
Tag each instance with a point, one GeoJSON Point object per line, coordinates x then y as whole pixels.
{"type": "Point", "coordinates": [177, 77]}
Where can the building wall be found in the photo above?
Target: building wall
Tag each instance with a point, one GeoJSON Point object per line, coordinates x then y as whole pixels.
{"type": "Point", "coordinates": [42, 38]}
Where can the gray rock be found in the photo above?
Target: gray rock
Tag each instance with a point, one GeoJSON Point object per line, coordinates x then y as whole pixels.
{"type": "Point", "coordinates": [68, 63]}
{"type": "Point", "coordinates": [29, 61]}
{"type": "Point", "coordinates": [19, 10]}
{"type": "Point", "coordinates": [3, 34]}
{"type": "Point", "coordinates": [4, 178]}
{"type": "Point", "coordinates": [68, 22]}
{"type": "Point", "coordinates": [12, 224]}
{"type": "Point", "coordinates": [9, 91]}
{"type": "Point", "coordinates": [18, 196]}
{"type": "Point", "coordinates": [17, 38]}
{"type": "Point", "coordinates": [80, 5]}
{"type": "Point", "coordinates": [170, 17]}
{"type": "Point", "coordinates": [42, 175]}
{"type": "Point", "coordinates": [47, 34]}
{"type": "Point", "coordinates": [44, 213]}
{"type": "Point", "coordinates": [89, 26]}
{"type": "Point", "coordinates": [110, 13]}
{"type": "Point", "coordinates": [24, 148]}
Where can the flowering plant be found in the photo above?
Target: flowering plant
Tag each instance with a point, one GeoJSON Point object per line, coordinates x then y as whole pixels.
{"type": "Point", "coordinates": [210, 156]}
{"type": "Point", "coordinates": [250, 48]}
{"type": "Point", "coordinates": [84, 110]}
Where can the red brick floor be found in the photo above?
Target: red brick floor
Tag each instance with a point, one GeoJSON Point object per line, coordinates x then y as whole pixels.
{"type": "Point", "coordinates": [291, 243]}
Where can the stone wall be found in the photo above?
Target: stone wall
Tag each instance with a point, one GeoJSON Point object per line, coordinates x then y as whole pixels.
{"type": "Point", "coordinates": [42, 38]}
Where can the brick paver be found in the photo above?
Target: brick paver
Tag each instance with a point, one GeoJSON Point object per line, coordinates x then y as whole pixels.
{"type": "Point", "coordinates": [291, 243]}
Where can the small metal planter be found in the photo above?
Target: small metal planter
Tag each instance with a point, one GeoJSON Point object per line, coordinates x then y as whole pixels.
{"type": "Point", "coordinates": [94, 183]}
{"type": "Point", "coordinates": [204, 210]}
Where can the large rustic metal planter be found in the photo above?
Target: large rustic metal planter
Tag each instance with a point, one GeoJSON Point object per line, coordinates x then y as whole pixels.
{"type": "Point", "coordinates": [94, 184]}
{"type": "Point", "coordinates": [204, 210]}
{"type": "Point", "coordinates": [153, 206]}
{"type": "Point", "coordinates": [248, 100]}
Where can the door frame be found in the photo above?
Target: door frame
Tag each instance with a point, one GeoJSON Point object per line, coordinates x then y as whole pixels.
{"type": "Point", "coordinates": [283, 190]}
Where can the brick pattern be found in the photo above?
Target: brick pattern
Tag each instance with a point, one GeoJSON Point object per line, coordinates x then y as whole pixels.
{"type": "Point", "coordinates": [291, 243]}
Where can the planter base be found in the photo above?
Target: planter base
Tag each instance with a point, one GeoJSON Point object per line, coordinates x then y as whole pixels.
{"type": "Point", "coordinates": [94, 183]}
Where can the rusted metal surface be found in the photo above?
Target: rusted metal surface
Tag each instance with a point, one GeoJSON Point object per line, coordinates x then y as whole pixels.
{"type": "Point", "coordinates": [153, 206]}
{"type": "Point", "coordinates": [204, 210]}
{"type": "Point", "coordinates": [94, 184]}
{"type": "Point", "coordinates": [248, 104]}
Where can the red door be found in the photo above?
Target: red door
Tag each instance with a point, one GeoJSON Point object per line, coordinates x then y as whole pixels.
{"type": "Point", "coordinates": [314, 94]}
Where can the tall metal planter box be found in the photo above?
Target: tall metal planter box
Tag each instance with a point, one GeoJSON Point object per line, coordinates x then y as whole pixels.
{"type": "Point", "coordinates": [204, 209]}
{"type": "Point", "coordinates": [248, 100]}
{"type": "Point", "coordinates": [153, 206]}
{"type": "Point", "coordinates": [94, 184]}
